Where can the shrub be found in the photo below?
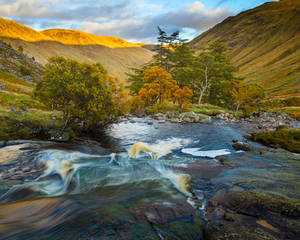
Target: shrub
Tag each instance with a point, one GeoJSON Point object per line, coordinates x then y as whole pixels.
{"type": "Point", "coordinates": [80, 91]}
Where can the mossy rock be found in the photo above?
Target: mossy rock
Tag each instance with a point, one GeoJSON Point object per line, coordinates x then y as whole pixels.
{"type": "Point", "coordinates": [235, 231]}
{"type": "Point", "coordinates": [288, 139]}
{"type": "Point", "coordinates": [257, 203]}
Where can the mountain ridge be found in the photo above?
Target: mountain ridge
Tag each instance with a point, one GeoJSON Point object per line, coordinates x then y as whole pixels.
{"type": "Point", "coordinates": [11, 29]}
{"type": "Point", "coordinates": [115, 54]}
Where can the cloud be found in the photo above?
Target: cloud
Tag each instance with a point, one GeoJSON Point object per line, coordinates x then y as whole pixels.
{"type": "Point", "coordinates": [62, 10]}
{"type": "Point", "coordinates": [134, 20]}
{"type": "Point", "coordinates": [194, 16]}
{"type": "Point", "coordinates": [193, 19]}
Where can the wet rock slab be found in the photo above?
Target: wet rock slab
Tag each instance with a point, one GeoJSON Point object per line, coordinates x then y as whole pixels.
{"type": "Point", "coordinates": [252, 215]}
{"type": "Point", "coordinates": [17, 162]}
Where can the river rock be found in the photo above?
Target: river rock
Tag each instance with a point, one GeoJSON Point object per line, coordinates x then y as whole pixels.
{"type": "Point", "coordinates": [2, 144]}
{"type": "Point", "coordinates": [24, 109]}
{"type": "Point", "coordinates": [3, 88]}
{"type": "Point", "coordinates": [238, 214]}
{"type": "Point", "coordinates": [13, 109]}
{"type": "Point", "coordinates": [242, 146]}
{"type": "Point", "coordinates": [59, 136]}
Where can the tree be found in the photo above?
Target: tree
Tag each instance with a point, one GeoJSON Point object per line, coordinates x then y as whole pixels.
{"type": "Point", "coordinates": [182, 96]}
{"type": "Point", "coordinates": [213, 74]}
{"type": "Point", "coordinates": [81, 91]}
{"type": "Point", "coordinates": [246, 94]}
{"type": "Point", "coordinates": [135, 79]}
{"type": "Point", "coordinates": [157, 87]}
{"type": "Point", "coordinates": [166, 47]}
{"type": "Point", "coordinates": [182, 59]}
{"type": "Point", "coordinates": [204, 70]}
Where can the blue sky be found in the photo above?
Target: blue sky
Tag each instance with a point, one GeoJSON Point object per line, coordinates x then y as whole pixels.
{"type": "Point", "coordinates": [133, 20]}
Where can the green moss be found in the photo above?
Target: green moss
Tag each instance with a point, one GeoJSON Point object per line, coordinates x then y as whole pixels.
{"type": "Point", "coordinates": [285, 138]}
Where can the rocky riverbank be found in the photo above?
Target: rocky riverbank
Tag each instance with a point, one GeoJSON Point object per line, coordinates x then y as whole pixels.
{"type": "Point", "coordinates": [263, 121]}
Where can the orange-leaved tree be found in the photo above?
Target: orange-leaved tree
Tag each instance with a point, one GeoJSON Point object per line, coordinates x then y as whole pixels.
{"type": "Point", "coordinates": [246, 94]}
{"type": "Point", "coordinates": [182, 96]}
{"type": "Point", "coordinates": [158, 85]}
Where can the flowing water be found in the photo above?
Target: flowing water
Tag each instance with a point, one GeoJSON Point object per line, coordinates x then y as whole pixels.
{"type": "Point", "coordinates": [118, 193]}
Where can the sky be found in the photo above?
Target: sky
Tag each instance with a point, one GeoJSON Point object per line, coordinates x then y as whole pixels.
{"type": "Point", "coordinates": [133, 20]}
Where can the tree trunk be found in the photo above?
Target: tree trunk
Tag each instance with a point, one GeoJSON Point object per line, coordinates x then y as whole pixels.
{"type": "Point", "coordinates": [200, 97]}
{"type": "Point", "coordinates": [205, 86]}
{"type": "Point", "coordinates": [180, 107]}
{"type": "Point", "coordinates": [237, 108]}
{"type": "Point", "coordinates": [65, 120]}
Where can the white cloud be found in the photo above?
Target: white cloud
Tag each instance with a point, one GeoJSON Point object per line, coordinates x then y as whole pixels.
{"type": "Point", "coordinates": [193, 19]}
{"type": "Point", "coordinates": [134, 20]}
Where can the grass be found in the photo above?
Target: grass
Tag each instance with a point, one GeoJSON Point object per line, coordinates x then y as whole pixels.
{"type": "Point", "coordinates": [207, 109]}
{"type": "Point", "coordinates": [19, 100]}
{"type": "Point", "coordinates": [163, 108]}
{"type": "Point", "coordinates": [16, 88]}
{"type": "Point", "coordinates": [7, 77]}
{"type": "Point", "coordinates": [210, 110]}
{"type": "Point", "coordinates": [26, 125]}
{"type": "Point", "coordinates": [282, 137]}
{"type": "Point", "coordinates": [293, 111]}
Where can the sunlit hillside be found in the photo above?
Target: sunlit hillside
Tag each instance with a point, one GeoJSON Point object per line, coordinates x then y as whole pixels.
{"type": "Point", "coordinates": [72, 37]}
{"type": "Point", "coordinates": [13, 29]}
{"type": "Point", "coordinates": [115, 54]}
{"type": "Point", "coordinates": [264, 43]}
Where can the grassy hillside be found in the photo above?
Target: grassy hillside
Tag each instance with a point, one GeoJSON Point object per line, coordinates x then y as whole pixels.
{"type": "Point", "coordinates": [20, 114]}
{"type": "Point", "coordinates": [115, 54]}
{"type": "Point", "coordinates": [264, 43]}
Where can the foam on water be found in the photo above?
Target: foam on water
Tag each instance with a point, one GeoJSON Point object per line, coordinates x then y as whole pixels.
{"type": "Point", "coordinates": [159, 149]}
{"type": "Point", "coordinates": [210, 153]}
{"type": "Point", "coordinates": [180, 181]}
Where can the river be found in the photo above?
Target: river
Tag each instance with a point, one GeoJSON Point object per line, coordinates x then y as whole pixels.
{"type": "Point", "coordinates": [149, 180]}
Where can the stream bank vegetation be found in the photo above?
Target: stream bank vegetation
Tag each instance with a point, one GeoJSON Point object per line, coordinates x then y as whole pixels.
{"type": "Point", "coordinates": [282, 137]}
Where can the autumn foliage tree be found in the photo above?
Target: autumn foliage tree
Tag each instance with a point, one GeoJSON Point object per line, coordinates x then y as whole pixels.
{"type": "Point", "coordinates": [158, 85]}
{"type": "Point", "coordinates": [246, 94]}
{"type": "Point", "coordinates": [81, 91]}
{"type": "Point", "coordinates": [182, 96]}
